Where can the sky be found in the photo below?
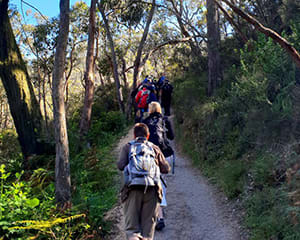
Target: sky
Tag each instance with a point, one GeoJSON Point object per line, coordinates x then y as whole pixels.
{"type": "Point", "coordinates": [48, 8]}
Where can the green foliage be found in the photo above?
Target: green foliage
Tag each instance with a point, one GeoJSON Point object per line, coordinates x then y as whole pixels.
{"type": "Point", "coordinates": [95, 175]}
{"type": "Point", "coordinates": [268, 215]}
{"type": "Point", "coordinates": [107, 125]}
{"type": "Point", "coordinates": [10, 150]}
{"type": "Point", "coordinates": [232, 177]}
{"type": "Point", "coordinates": [18, 203]}
{"type": "Point", "coordinates": [133, 12]}
{"type": "Point", "coordinates": [93, 170]}
{"type": "Point", "coordinates": [232, 135]}
{"type": "Point", "coordinates": [262, 170]}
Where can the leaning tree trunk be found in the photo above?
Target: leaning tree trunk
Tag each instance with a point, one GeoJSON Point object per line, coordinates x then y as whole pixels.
{"type": "Point", "coordinates": [138, 58]}
{"type": "Point", "coordinates": [89, 75]}
{"type": "Point", "coordinates": [213, 44]}
{"type": "Point", "coordinates": [113, 56]}
{"type": "Point", "coordinates": [287, 46]}
{"type": "Point", "coordinates": [23, 105]}
{"type": "Point", "coordinates": [62, 165]}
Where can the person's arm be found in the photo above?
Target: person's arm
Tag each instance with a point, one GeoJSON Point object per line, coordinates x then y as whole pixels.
{"type": "Point", "coordinates": [123, 159]}
{"type": "Point", "coordinates": [162, 162]}
{"type": "Point", "coordinates": [170, 133]}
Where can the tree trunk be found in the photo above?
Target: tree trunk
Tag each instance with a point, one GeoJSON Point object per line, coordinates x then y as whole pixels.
{"type": "Point", "coordinates": [62, 165]}
{"type": "Point", "coordinates": [114, 58]}
{"type": "Point", "coordinates": [137, 61]}
{"type": "Point", "coordinates": [213, 45]}
{"type": "Point", "coordinates": [89, 75]}
{"type": "Point", "coordinates": [44, 103]}
{"type": "Point", "coordinates": [24, 107]}
{"type": "Point", "coordinates": [124, 73]}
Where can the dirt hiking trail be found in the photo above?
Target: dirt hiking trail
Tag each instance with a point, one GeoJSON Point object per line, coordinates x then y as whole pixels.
{"type": "Point", "coordinates": [196, 210]}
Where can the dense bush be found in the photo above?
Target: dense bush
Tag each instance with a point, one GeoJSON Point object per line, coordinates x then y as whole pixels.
{"type": "Point", "coordinates": [239, 136]}
{"type": "Point", "coordinates": [27, 203]}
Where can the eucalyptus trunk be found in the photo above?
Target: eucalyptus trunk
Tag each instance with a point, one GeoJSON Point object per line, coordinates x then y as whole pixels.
{"type": "Point", "coordinates": [62, 165]}
{"type": "Point", "coordinates": [23, 104]}
{"type": "Point", "coordinates": [114, 58]}
{"type": "Point", "coordinates": [213, 44]}
{"type": "Point", "coordinates": [89, 75]}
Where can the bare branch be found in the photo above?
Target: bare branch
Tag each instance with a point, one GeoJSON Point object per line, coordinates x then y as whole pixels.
{"type": "Point", "coordinates": [268, 32]}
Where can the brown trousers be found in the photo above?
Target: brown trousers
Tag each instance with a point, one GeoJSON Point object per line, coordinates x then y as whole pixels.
{"type": "Point", "coordinates": [140, 210]}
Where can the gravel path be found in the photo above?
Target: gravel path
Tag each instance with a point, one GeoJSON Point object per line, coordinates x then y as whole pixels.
{"type": "Point", "coordinates": [195, 211]}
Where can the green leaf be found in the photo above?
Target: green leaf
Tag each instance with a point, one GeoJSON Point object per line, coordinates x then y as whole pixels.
{"type": "Point", "coordinates": [33, 202]}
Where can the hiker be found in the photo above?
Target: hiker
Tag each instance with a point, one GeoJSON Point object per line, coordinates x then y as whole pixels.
{"type": "Point", "coordinates": [144, 96]}
{"type": "Point", "coordinates": [160, 131]}
{"type": "Point", "coordinates": [166, 95]}
{"type": "Point", "coordinates": [142, 191]}
{"type": "Point", "coordinates": [133, 95]}
{"type": "Point", "coordinates": [158, 84]}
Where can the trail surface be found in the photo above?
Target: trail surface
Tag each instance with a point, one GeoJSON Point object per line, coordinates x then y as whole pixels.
{"type": "Point", "coordinates": [196, 210]}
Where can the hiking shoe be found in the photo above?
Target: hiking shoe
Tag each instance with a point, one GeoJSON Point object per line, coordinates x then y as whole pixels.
{"type": "Point", "coordinates": [160, 224]}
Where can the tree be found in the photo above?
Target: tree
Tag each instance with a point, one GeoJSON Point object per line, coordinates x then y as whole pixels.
{"type": "Point", "coordinates": [62, 165]}
{"type": "Point", "coordinates": [268, 32]}
{"type": "Point", "coordinates": [178, 11]}
{"type": "Point", "coordinates": [113, 56]}
{"type": "Point", "coordinates": [89, 74]}
{"type": "Point", "coordinates": [137, 62]}
{"type": "Point", "coordinates": [24, 107]}
{"type": "Point", "coordinates": [213, 45]}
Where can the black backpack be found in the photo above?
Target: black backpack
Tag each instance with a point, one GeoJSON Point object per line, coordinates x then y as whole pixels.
{"type": "Point", "coordinates": [158, 134]}
{"type": "Point", "coordinates": [167, 88]}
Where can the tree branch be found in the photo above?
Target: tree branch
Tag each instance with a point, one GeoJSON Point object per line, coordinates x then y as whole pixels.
{"type": "Point", "coordinates": [268, 32]}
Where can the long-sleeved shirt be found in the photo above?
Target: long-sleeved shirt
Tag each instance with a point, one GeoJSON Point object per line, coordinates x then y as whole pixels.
{"type": "Point", "coordinates": [159, 158]}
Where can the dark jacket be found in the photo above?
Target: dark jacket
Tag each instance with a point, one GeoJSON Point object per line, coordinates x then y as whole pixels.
{"type": "Point", "coordinates": [160, 131]}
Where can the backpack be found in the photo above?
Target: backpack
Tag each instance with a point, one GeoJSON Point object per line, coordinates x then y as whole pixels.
{"type": "Point", "coordinates": [158, 134]}
{"type": "Point", "coordinates": [167, 88]}
{"type": "Point", "coordinates": [143, 103]}
{"type": "Point", "coordinates": [142, 168]}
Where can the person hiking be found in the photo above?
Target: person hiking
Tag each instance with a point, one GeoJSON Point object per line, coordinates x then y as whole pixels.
{"type": "Point", "coordinates": [142, 162]}
{"type": "Point", "coordinates": [144, 96]}
{"type": "Point", "coordinates": [160, 131]}
{"type": "Point", "coordinates": [166, 96]}
{"type": "Point", "coordinates": [158, 85]}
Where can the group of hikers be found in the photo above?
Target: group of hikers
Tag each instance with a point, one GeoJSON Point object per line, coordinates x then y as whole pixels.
{"type": "Point", "coordinates": [150, 90]}
{"type": "Point", "coordinates": [146, 160]}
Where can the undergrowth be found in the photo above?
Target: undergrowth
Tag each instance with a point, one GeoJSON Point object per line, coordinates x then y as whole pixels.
{"type": "Point", "coordinates": [27, 204]}
{"type": "Point", "coordinates": [239, 137]}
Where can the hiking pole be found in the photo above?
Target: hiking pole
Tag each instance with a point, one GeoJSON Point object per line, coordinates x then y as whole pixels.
{"type": "Point", "coordinates": [173, 164]}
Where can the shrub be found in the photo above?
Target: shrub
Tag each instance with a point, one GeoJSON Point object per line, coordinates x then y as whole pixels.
{"type": "Point", "coordinates": [21, 210]}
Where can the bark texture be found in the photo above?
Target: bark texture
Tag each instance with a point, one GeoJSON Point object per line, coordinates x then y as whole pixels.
{"type": "Point", "coordinates": [23, 104]}
{"type": "Point", "coordinates": [62, 165]}
{"type": "Point", "coordinates": [113, 57]}
{"type": "Point", "coordinates": [213, 45]}
{"type": "Point", "coordinates": [89, 75]}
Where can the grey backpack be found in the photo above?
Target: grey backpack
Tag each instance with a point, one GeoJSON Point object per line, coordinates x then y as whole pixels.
{"type": "Point", "coordinates": [142, 168]}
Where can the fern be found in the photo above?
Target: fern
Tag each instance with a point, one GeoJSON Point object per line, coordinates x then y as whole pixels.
{"type": "Point", "coordinates": [42, 225]}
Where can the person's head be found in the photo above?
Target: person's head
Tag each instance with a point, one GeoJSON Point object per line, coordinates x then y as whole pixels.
{"type": "Point", "coordinates": [141, 130]}
{"type": "Point", "coordinates": [154, 107]}
{"type": "Point", "coordinates": [162, 78]}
